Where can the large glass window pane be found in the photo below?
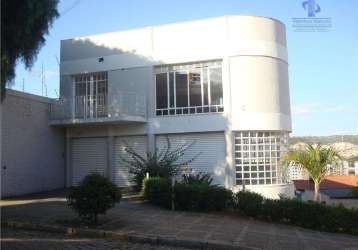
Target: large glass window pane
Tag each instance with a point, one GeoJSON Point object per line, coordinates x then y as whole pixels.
{"type": "Point", "coordinates": [216, 90]}
{"type": "Point", "coordinates": [162, 91]}
{"type": "Point", "coordinates": [171, 89]}
{"type": "Point", "coordinates": [205, 87]}
{"type": "Point", "coordinates": [181, 82]}
{"type": "Point", "coordinates": [195, 88]}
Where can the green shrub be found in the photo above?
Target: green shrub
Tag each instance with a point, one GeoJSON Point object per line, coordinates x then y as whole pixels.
{"type": "Point", "coordinates": [158, 191]}
{"type": "Point", "coordinates": [93, 196]}
{"type": "Point", "coordinates": [249, 203]}
{"type": "Point", "coordinates": [161, 163]}
{"type": "Point", "coordinates": [355, 192]}
{"type": "Point", "coordinates": [311, 215]}
{"type": "Point", "coordinates": [201, 197]}
{"type": "Point", "coordinates": [192, 197]}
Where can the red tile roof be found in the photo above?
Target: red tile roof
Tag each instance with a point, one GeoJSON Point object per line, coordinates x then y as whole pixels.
{"type": "Point", "coordinates": [329, 182]}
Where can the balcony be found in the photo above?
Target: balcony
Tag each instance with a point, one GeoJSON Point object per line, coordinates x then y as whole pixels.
{"type": "Point", "coordinates": [123, 107]}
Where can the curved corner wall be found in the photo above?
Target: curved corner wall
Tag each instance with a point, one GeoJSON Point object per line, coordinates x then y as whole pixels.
{"type": "Point", "coordinates": [260, 104]}
{"type": "Point", "coordinates": [258, 74]}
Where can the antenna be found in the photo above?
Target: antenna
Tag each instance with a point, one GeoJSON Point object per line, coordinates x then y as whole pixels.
{"type": "Point", "coordinates": [42, 79]}
{"type": "Point", "coordinates": [58, 61]}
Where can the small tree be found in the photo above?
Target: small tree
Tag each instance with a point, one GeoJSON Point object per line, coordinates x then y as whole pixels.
{"type": "Point", "coordinates": [314, 159]}
{"type": "Point", "coordinates": [93, 196]}
{"type": "Point", "coordinates": [164, 163]}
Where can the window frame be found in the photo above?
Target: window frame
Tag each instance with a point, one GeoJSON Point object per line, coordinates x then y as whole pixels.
{"type": "Point", "coordinates": [201, 109]}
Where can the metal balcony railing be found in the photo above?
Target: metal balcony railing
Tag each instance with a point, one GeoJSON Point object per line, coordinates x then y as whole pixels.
{"type": "Point", "coordinates": [99, 107]}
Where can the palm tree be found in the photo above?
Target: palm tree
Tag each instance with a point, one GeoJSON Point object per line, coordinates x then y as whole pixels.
{"type": "Point", "coordinates": [314, 158]}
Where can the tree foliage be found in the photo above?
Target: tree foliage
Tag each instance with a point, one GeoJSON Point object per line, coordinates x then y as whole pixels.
{"type": "Point", "coordinates": [24, 24]}
{"type": "Point", "coordinates": [314, 158]}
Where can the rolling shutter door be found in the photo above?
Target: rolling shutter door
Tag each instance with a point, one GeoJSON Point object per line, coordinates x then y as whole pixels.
{"type": "Point", "coordinates": [211, 147]}
{"type": "Point", "coordinates": [121, 172]}
{"type": "Point", "coordinates": [89, 155]}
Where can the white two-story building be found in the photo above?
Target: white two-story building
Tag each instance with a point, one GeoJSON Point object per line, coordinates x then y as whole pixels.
{"type": "Point", "coordinates": [222, 82]}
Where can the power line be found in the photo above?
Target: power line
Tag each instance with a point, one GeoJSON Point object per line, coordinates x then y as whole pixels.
{"type": "Point", "coordinates": [68, 9]}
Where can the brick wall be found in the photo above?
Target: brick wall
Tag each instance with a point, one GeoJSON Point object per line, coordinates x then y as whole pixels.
{"type": "Point", "coordinates": [32, 151]}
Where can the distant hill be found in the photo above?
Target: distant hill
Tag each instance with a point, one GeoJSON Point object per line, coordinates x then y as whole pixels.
{"type": "Point", "coordinates": [346, 145]}
{"type": "Point", "coordinates": [325, 139]}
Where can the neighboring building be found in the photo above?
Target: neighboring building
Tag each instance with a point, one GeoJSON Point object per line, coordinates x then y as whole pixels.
{"type": "Point", "coordinates": [222, 82]}
{"type": "Point", "coordinates": [333, 190]}
{"type": "Point", "coordinates": [32, 152]}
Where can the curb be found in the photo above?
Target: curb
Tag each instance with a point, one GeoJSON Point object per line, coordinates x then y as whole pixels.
{"type": "Point", "coordinates": [129, 237]}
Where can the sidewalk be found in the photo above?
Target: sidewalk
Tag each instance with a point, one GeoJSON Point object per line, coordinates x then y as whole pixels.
{"type": "Point", "coordinates": [142, 220]}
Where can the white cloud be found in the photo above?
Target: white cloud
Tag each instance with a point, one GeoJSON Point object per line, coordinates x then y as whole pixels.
{"type": "Point", "coordinates": [312, 108]}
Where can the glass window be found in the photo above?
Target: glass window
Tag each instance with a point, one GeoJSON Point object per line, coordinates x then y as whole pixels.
{"type": "Point", "coordinates": [91, 95]}
{"type": "Point", "coordinates": [162, 91]}
{"type": "Point", "coordinates": [216, 90]}
{"type": "Point", "coordinates": [192, 88]}
{"type": "Point", "coordinates": [181, 82]}
{"type": "Point", "coordinates": [195, 88]}
{"type": "Point", "coordinates": [171, 90]}
{"type": "Point", "coordinates": [205, 87]}
{"type": "Point", "coordinates": [259, 170]}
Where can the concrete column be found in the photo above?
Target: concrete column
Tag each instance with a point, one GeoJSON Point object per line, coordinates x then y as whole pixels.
{"type": "Point", "coordinates": [230, 163]}
{"type": "Point", "coordinates": [68, 165]}
{"type": "Point", "coordinates": [151, 143]}
{"type": "Point", "coordinates": [110, 156]}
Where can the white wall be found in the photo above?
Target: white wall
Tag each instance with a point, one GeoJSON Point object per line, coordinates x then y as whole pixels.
{"type": "Point", "coordinates": [270, 191]}
{"type": "Point", "coordinates": [32, 151]}
{"type": "Point", "coordinates": [253, 51]}
{"type": "Point", "coordinates": [255, 72]}
{"type": "Point", "coordinates": [260, 97]}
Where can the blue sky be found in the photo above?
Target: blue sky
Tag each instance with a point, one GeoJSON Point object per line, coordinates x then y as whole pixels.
{"type": "Point", "coordinates": [323, 66]}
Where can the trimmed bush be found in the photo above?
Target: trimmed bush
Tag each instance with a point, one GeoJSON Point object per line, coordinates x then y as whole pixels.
{"type": "Point", "coordinates": [93, 196]}
{"type": "Point", "coordinates": [355, 192]}
{"type": "Point", "coordinates": [201, 197]}
{"type": "Point", "coordinates": [249, 203]}
{"type": "Point", "coordinates": [158, 191]}
{"type": "Point", "coordinates": [311, 215]}
{"type": "Point", "coordinates": [192, 197]}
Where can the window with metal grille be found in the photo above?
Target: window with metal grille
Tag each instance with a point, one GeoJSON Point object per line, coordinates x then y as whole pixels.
{"type": "Point", "coordinates": [91, 95]}
{"type": "Point", "coordinates": [189, 88]}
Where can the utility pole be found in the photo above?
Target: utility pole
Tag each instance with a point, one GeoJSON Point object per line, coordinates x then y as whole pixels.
{"type": "Point", "coordinates": [23, 84]}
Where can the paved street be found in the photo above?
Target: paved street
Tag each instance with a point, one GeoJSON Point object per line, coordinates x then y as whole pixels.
{"type": "Point", "coordinates": [33, 240]}
{"type": "Point", "coordinates": [142, 219]}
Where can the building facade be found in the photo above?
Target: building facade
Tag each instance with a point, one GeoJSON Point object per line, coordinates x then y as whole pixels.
{"type": "Point", "coordinates": [220, 82]}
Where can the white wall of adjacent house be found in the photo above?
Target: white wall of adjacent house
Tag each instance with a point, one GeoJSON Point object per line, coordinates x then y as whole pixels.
{"type": "Point", "coordinates": [32, 151]}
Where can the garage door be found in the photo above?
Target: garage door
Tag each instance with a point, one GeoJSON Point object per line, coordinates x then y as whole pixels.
{"type": "Point", "coordinates": [121, 172]}
{"type": "Point", "coordinates": [209, 146]}
{"type": "Point", "coordinates": [89, 155]}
